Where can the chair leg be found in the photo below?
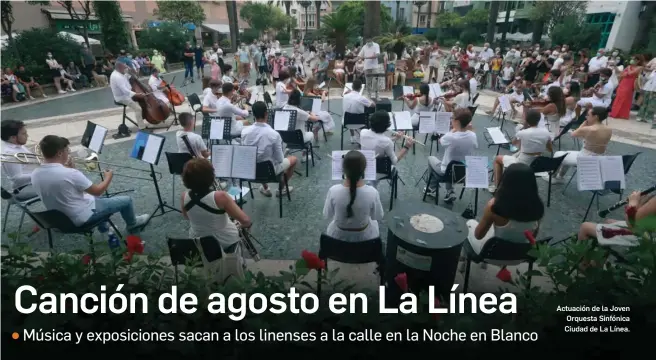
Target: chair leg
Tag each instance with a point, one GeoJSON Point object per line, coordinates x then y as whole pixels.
{"type": "Point", "coordinates": [430, 152]}
{"type": "Point", "coordinates": [396, 185]}
{"type": "Point", "coordinates": [437, 193]}
{"type": "Point", "coordinates": [570, 180]}
{"type": "Point", "coordinates": [50, 240]}
{"type": "Point", "coordinates": [414, 146]}
{"type": "Point", "coordinates": [20, 226]}
{"type": "Point", "coordinates": [250, 187]}
{"type": "Point", "coordinates": [549, 192]}
{"type": "Point", "coordinates": [467, 270]}
{"type": "Point", "coordinates": [4, 223]}
{"type": "Point", "coordinates": [462, 192]}
{"type": "Point", "coordinates": [341, 144]}
{"type": "Point", "coordinates": [594, 195]}
{"type": "Point", "coordinates": [391, 195]}
{"type": "Point", "coordinates": [118, 233]}
{"type": "Point", "coordinates": [307, 163]}
{"type": "Point", "coordinates": [280, 198]}
{"type": "Point", "coordinates": [430, 177]}
{"type": "Point", "coordinates": [173, 188]}
{"type": "Point", "coordinates": [312, 154]}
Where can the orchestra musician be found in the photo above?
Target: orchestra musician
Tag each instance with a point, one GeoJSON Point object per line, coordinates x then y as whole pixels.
{"type": "Point", "coordinates": [353, 207]}
{"type": "Point", "coordinates": [302, 117]}
{"type": "Point", "coordinates": [64, 188]}
{"type": "Point", "coordinates": [209, 213]}
{"type": "Point", "coordinates": [282, 91]}
{"type": "Point", "coordinates": [269, 146]}
{"type": "Point", "coordinates": [462, 100]}
{"type": "Point", "coordinates": [339, 72]}
{"type": "Point", "coordinates": [210, 99]}
{"type": "Point", "coordinates": [355, 103]}
{"type": "Point", "coordinates": [123, 94]}
{"type": "Point", "coordinates": [295, 80]}
{"type": "Point", "coordinates": [421, 103]}
{"type": "Point", "coordinates": [14, 138]}
{"type": "Point", "coordinates": [242, 92]}
{"type": "Point", "coordinates": [312, 90]}
{"type": "Point", "coordinates": [516, 98]}
{"type": "Point", "coordinates": [198, 146]}
{"type": "Point", "coordinates": [225, 108]}
{"type": "Point", "coordinates": [555, 109]}
{"type": "Point", "coordinates": [600, 95]}
{"type": "Point", "coordinates": [325, 117]}
{"type": "Point", "coordinates": [155, 83]}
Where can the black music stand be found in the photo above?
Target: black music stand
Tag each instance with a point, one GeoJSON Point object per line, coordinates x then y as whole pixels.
{"type": "Point", "coordinates": [94, 140]}
{"type": "Point", "coordinates": [148, 148]}
{"type": "Point", "coordinates": [175, 115]}
{"type": "Point", "coordinates": [291, 126]}
{"type": "Point", "coordinates": [206, 130]}
{"type": "Point", "coordinates": [397, 94]}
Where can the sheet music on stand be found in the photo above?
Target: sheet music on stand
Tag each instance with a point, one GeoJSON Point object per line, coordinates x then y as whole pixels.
{"type": "Point", "coordinates": [476, 172]}
{"type": "Point", "coordinates": [322, 85]}
{"type": "Point", "coordinates": [504, 102]}
{"type": "Point", "coordinates": [254, 94]}
{"type": "Point", "coordinates": [217, 126]}
{"type": "Point", "coordinates": [234, 161]}
{"type": "Point", "coordinates": [594, 171]}
{"type": "Point", "coordinates": [402, 120]}
{"type": "Point", "coordinates": [311, 104]}
{"type": "Point", "coordinates": [408, 90]}
{"type": "Point", "coordinates": [435, 90]}
{"type": "Point", "coordinates": [94, 137]}
{"type": "Point", "coordinates": [427, 122]}
{"type": "Point", "coordinates": [498, 137]}
{"type": "Point", "coordinates": [147, 147]}
{"type": "Point", "coordinates": [282, 120]}
{"type": "Point", "coordinates": [338, 171]}
{"type": "Point", "coordinates": [443, 122]}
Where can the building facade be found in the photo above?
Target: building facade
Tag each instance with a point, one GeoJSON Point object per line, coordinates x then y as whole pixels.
{"type": "Point", "coordinates": [400, 10]}
{"type": "Point", "coordinates": [306, 18]}
{"type": "Point", "coordinates": [425, 16]}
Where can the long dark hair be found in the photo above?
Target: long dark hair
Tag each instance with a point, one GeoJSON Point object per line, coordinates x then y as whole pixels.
{"type": "Point", "coordinates": [354, 164]}
{"type": "Point", "coordinates": [557, 97]}
{"type": "Point", "coordinates": [517, 196]}
{"type": "Point", "coordinates": [575, 89]}
{"type": "Point", "coordinates": [424, 90]}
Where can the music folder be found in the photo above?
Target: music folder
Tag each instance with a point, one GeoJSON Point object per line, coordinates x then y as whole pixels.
{"type": "Point", "coordinates": [94, 137]}
{"type": "Point", "coordinates": [282, 120]}
{"type": "Point", "coordinates": [311, 104]}
{"type": "Point", "coordinates": [338, 170]}
{"type": "Point", "coordinates": [399, 91]}
{"type": "Point", "coordinates": [498, 137]}
{"type": "Point", "coordinates": [595, 171]}
{"type": "Point", "coordinates": [234, 161]}
{"type": "Point", "coordinates": [147, 147]}
{"type": "Point", "coordinates": [476, 174]}
{"type": "Point", "coordinates": [434, 122]}
{"type": "Point", "coordinates": [401, 120]}
{"type": "Point", "coordinates": [435, 90]}
{"type": "Point", "coordinates": [504, 101]}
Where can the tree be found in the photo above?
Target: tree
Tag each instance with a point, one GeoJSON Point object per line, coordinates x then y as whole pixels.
{"type": "Point", "coordinates": [83, 15]}
{"type": "Point", "coordinates": [233, 22]}
{"type": "Point", "coordinates": [337, 26]}
{"type": "Point", "coordinates": [419, 4]}
{"type": "Point", "coordinates": [492, 21]}
{"type": "Point", "coordinates": [358, 12]}
{"type": "Point", "coordinates": [264, 17]}
{"type": "Point", "coordinates": [372, 19]}
{"type": "Point", "coordinates": [398, 42]}
{"type": "Point", "coordinates": [182, 12]}
{"type": "Point", "coordinates": [575, 32]}
{"type": "Point", "coordinates": [8, 16]}
{"type": "Point", "coordinates": [114, 35]}
{"type": "Point", "coordinates": [549, 13]}
{"type": "Point", "coordinates": [305, 5]}
{"type": "Point", "coordinates": [646, 22]}
{"type": "Point", "coordinates": [288, 8]}
{"type": "Point", "coordinates": [168, 37]}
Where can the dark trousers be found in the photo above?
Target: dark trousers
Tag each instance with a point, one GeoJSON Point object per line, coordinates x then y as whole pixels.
{"type": "Point", "coordinates": [189, 69]}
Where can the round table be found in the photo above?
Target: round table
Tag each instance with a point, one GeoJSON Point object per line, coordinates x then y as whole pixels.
{"type": "Point", "coordinates": [423, 241]}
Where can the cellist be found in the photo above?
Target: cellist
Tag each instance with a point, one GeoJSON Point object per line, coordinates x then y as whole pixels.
{"type": "Point", "coordinates": [123, 94]}
{"type": "Point", "coordinates": [155, 83]}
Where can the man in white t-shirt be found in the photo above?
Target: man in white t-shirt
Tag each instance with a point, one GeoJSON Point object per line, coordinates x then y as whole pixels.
{"type": "Point", "coordinates": [460, 142]}
{"type": "Point", "coordinates": [225, 108]}
{"type": "Point", "coordinates": [282, 92]}
{"type": "Point", "coordinates": [595, 65]}
{"type": "Point", "coordinates": [66, 189]}
{"type": "Point", "coordinates": [369, 53]}
{"type": "Point", "coordinates": [516, 98]}
{"type": "Point", "coordinates": [355, 103]}
{"type": "Point", "coordinates": [486, 54]}
{"type": "Point", "coordinates": [211, 97]}
{"type": "Point", "coordinates": [198, 147]}
{"type": "Point", "coordinates": [473, 84]}
{"type": "Point", "coordinates": [14, 138]}
{"type": "Point", "coordinates": [601, 94]}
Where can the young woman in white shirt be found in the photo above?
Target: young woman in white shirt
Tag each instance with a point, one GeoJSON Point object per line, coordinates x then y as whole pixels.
{"type": "Point", "coordinates": [210, 212]}
{"type": "Point", "coordinates": [282, 90]}
{"type": "Point", "coordinates": [573, 96]}
{"type": "Point", "coordinates": [353, 207]}
{"type": "Point", "coordinates": [434, 62]}
{"type": "Point", "coordinates": [554, 110]}
{"type": "Point", "coordinates": [532, 142]}
{"type": "Point", "coordinates": [302, 117]}
{"type": "Point", "coordinates": [421, 103]}
{"type": "Point", "coordinates": [461, 101]}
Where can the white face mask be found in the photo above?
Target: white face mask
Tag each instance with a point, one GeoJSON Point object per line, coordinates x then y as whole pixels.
{"type": "Point", "coordinates": [615, 53]}
{"type": "Point", "coordinates": [49, 55]}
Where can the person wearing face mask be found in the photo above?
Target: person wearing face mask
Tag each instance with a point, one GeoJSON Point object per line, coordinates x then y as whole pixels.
{"type": "Point", "coordinates": [200, 61]}
{"type": "Point", "coordinates": [648, 107]}
{"type": "Point", "coordinates": [55, 71]}
{"type": "Point", "coordinates": [158, 61]}
{"type": "Point", "coordinates": [600, 94]}
{"type": "Point", "coordinates": [188, 59]}
{"type": "Point", "coordinates": [244, 62]}
{"type": "Point", "coordinates": [123, 94]}
{"type": "Point", "coordinates": [370, 53]}
{"type": "Point", "coordinates": [624, 94]}
{"type": "Point", "coordinates": [594, 67]}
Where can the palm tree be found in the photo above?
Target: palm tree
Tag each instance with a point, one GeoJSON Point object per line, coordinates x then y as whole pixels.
{"type": "Point", "coordinates": [492, 21]}
{"type": "Point", "coordinates": [305, 5]}
{"type": "Point", "coordinates": [337, 27]}
{"type": "Point", "coordinates": [371, 19]}
{"type": "Point", "coordinates": [397, 42]}
{"type": "Point", "coordinates": [418, 4]}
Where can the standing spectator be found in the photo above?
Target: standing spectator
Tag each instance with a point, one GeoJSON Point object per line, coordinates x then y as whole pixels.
{"type": "Point", "coordinates": [244, 62]}
{"type": "Point", "coordinates": [530, 69]}
{"type": "Point", "coordinates": [188, 59]}
{"type": "Point", "coordinates": [158, 61]}
{"type": "Point", "coordinates": [495, 66]}
{"type": "Point", "coordinates": [55, 72]}
{"type": "Point", "coordinates": [624, 93]}
{"type": "Point", "coordinates": [200, 61]}
{"type": "Point", "coordinates": [594, 66]}
{"type": "Point", "coordinates": [648, 107]}
{"type": "Point", "coordinates": [28, 81]}
{"type": "Point", "coordinates": [434, 63]}
{"type": "Point", "coordinates": [88, 61]}
{"type": "Point", "coordinates": [74, 73]}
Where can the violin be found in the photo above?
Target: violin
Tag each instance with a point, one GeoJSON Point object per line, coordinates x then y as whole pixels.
{"type": "Point", "coordinates": [317, 92]}
{"type": "Point", "coordinates": [536, 103]}
{"type": "Point", "coordinates": [153, 109]}
{"type": "Point", "coordinates": [175, 96]}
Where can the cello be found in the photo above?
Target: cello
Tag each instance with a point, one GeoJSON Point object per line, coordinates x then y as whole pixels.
{"type": "Point", "coordinates": [175, 96]}
{"type": "Point", "coordinates": [153, 109]}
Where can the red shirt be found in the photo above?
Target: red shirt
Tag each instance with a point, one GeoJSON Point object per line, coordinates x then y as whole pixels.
{"type": "Point", "coordinates": [464, 62]}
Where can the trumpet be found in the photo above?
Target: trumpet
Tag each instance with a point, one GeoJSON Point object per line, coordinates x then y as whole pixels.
{"type": "Point", "coordinates": [90, 163]}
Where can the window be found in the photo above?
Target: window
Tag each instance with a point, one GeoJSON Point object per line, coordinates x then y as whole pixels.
{"type": "Point", "coordinates": [422, 20]}
{"type": "Point", "coordinates": [487, 5]}
{"type": "Point", "coordinates": [605, 22]}
{"type": "Point", "coordinates": [401, 13]}
{"type": "Point", "coordinates": [310, 21]}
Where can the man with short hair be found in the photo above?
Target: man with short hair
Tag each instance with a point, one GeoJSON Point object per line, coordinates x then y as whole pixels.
{"type": "Point", "coordinates": [225, 108]}
{"type": "Point", "coordinates": [369, 53]}
{"type": "Point", "coordinates": [460, 142]}
{"type": "Point", "coordinates": [198, 147]}
{"type": "Point", "coordinates": [123, 94]}
{"type": "Point", "coordinates": [66, 189]}
{"type": "Point", "coordinates": [269, 146]}
{"type": "Point", "coordinates": [14, 138]}
{"type": "Point", "coordinates": [355, 103]}
{"type": "Point", "coordinates": [601, 93]}
{"type": "Point", "coordinates": [188, 60]}
{"type": "Point", "coordinates": [595, 65]}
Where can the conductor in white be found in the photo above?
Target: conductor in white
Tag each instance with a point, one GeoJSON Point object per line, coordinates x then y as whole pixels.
{"type": "Point", "coordinates": [123, 93]}
{"type": "Point", "coordinates": [369, 53]}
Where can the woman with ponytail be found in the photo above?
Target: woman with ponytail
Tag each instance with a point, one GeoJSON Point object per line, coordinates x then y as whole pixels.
{"type": "Point", "coordinates": [353, 207]}
{"type": "Point", "coordinates": [421, 103]}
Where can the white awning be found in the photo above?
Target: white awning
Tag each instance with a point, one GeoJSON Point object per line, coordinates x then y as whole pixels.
{"type": "Point", "coordinates": [78, 38]}
{"type": "Point", "coordinates": [220, 28]}
{"type": "Point", "coordinates": [64, 15]}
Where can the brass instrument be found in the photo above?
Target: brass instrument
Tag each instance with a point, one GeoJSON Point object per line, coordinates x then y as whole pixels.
{"type": "Point", "coordinates": [90, 163]}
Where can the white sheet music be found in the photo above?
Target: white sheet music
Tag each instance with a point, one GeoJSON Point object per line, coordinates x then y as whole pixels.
{"type": "Point", "coordinates": [427, 122]}
{"type": "Point", "coordinates": [281, 121]}
{"type": "Point", "coordinates": [498, 137]}
{"type": "Point", "coordinates": [612, 169]}
{"type": "Point", "coordinates": [216, 129]}
{"type": "Point", "coordinates": [476, 172]}
{"type": "Point", "coordinates": [588, 173]}
{"type": "Point", "coordinates": [322, 85]}
{"type": "Point", "coordinates": [243, 162]}
{"type": "Point", "coordinates": [316, 106]}
{"type": "Point", "coordinates": [403, 120]}
{"type": "Point", "coordinates": [504, 102]}
{"type": "Point", "coordinates": [222, 160]}
{"type": "Point", "coordinates": [435, 90]}
{"type": "Point", "coordinates": [98, 138]}
{"type": "Point", "coordinates": [443, 122]}
{"type": "Point", "coordinates": [347, 87]}
{"type": "Point", "coordinates": [153, 147]}
{"type": "Point", "coordinates": [408, 90]}
{"type": "Point", "coordinates": [338, 171]}
{"type": "Point", "coordinates": [254, 95]}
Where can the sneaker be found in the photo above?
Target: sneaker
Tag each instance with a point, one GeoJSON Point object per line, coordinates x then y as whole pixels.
{"type": "Point", "coordinates": [489, 112]}
{"type": "Point", "coordinates": [284, 191]}
{"type": "Point", "coordinates": [223, 184]}
{"type": "Point", "coordinates": [192, 81]}
{"type": "Point", "coordinates": [303, 160]}
{"type": "Point", "coordinates": [141, 221]}
{"type": "Point", "coordinates": [450, 197]}
{"type": "Point", "coordinates": [492, 188]}
{"type": "Point", "coordinates": [61, 92]}
{"type": "Point", "coordinates": [45, 96]}
{"type": "Point", "coordinates": [431, 192]}
{"type": "Point", "coordinates": [352, 140]}
{"type": "Point", "coordinates": [72, 90]}
{"type": "Point", "coordinates": [31, 98]}
{"type": "Point", "coordinates": [265, 192]}
{"type": "Point", "coordinates": [557, 179]}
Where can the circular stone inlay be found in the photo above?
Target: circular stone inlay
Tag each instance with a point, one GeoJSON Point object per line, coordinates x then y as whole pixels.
{"type": "Point", "coordinates": [426, 223]}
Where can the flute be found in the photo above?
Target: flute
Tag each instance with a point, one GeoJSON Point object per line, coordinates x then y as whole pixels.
{"type": "Point", "coordinates": [604, 213]}
{"type": "Point", "coordinates": [407, 137]}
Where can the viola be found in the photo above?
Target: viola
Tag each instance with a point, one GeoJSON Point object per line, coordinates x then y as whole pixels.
{"type": "Point", "coordinates": [175, 96]}
{"type": "Point", "coordinates": [536, 103]}
{"type": "Point", "coordinates": [153, 109]}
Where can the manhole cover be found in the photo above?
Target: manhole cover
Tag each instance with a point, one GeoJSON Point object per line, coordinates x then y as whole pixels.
{"type": "Point", "coordinates": [426, 223]}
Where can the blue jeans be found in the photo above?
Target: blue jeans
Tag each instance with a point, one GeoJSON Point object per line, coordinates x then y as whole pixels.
{"type": "Point", "coordinates": [189, 69]}
{"type": "Point", "coordinates": [108, 206]}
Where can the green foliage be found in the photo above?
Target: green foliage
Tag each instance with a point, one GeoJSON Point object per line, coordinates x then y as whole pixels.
{"type": "Point", "coordinates": [182, 12]}
{"type": "Point", "coordinates": [264, 17]}
{"type": "Point", "coordinates": [577, 33]}
{"type": "Point", "coordinates": [356, 10]}
{"type": "Point", "coordinates": [400, 26]}
{"type": "Point", "coordinates": [114, 34]}
{"type": "Point", "coordinates": [283, 37]}
{"type": "Point", "coordinates": [465, 28]}
{"type": "Point", "coordinates": [470, 36]}
{"type": "Point", "coordinates": [431, 35]}
{"type": "Point", "coordinates": [33, 45]}
{"type": "Point", "coordinates": [552, 12]}
{"type": "Point", "coordinates": [168, 38]}
{"type": "Point", "coordinates": [398, 42]}
{"type": "Point", "coordinates": [225, 44]}
{"type": "Point", "coordinates": [338, 27]}
{"type": "Point", "coordinates": [249, 35]}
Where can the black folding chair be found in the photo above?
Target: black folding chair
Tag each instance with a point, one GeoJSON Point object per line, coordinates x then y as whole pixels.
{"type": "Point", "coordinates": [549, 165]}
{"type": "Point", "coordinates": [185, 251]}
{"type": "Point", "coordinates": [266, 173]}
{"type": "Point", "coordinates": [455, 173]}
{"type": "Point", "coordinates": [384, 166]}
{"type": "Point", "coordinates": [295, 143]}
{"type": "Point", "coordinates": [196, 105]}
{"type": "Point", "coordinates": [362, 252]}
{"type": "Point", "coordinates": [16, 199]}
{"type": "Point", "coordinates": [353, 119]}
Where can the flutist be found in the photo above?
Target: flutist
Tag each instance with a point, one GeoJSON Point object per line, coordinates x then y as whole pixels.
{"type": "Point", "coordinates": [14, 138]}
{"type": "Point", "coordinates": [66, 189]}
{"type": "Point", "coordinates": [375, 139]}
